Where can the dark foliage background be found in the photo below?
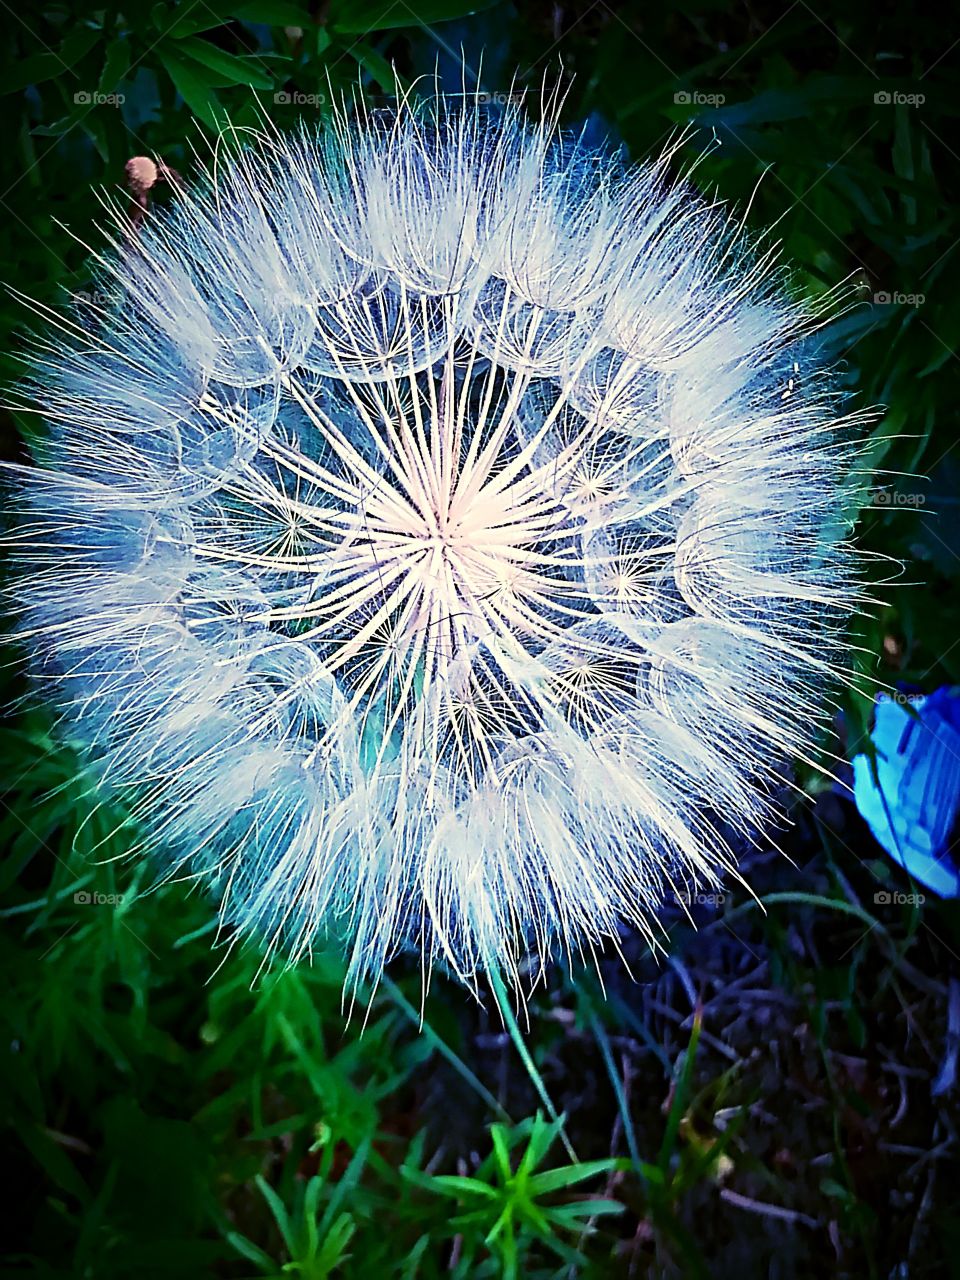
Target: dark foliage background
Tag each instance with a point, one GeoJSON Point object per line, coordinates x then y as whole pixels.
{"type": "Point", "coordinates": [777, 1100]}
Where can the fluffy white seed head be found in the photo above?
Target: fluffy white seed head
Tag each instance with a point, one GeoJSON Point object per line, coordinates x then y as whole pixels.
{"type": "Point", "coordinates": [437, 537]}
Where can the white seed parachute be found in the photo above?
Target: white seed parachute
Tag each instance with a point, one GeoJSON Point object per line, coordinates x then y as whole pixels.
{"type": "Point", "coordinates": [437, 537]}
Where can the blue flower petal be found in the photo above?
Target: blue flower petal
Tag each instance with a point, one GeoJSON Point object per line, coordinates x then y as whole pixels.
{"type": "Point", "coordinates": [912, 801]}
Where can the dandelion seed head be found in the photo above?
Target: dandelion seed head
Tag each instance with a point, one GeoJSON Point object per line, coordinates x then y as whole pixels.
{"type": "Point", "coordinates": [436, 536]}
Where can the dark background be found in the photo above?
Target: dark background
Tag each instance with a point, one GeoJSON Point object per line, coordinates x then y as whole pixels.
{"type": "Point", "coordinates": [774, 1101]}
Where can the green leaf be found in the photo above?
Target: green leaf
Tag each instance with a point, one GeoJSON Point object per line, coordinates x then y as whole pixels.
{"type": "Point", "coordinates": [35, 69]}
{"type": "Point", "coordinates": [569, 1215]}
{"type": "Point", "coordinates": [336, 1242]}
{"type": "Point", "coordinates": [454, 1184]}
{"type": "Point", "coordinates": [247, 1249]}
{"type": "Point", "coordinates": [569, 1175]}
{"type": "Point", "coordinates": [272, 13]}
{"type": "Point", "coordinates": [430, 1034]}
{"type": "Point", "coordinates": [186, 22]}
{"type": "Point", "coordinates": [53, 1160]}
{"type": "Point", "coordinates": [501, 1151]}
{"type": "Point", "coordinates": [191, 85]}
{"type": "Point", "coordinates": [368, 16]}
{"type": "Point", "coordinates": [377, 66]}
{"type": "Point", "coordinates": [683, 1076]}
{"type": "Point", "coordinates": [516, 1035]}
{"type": "Point", "coordinates": [279, 1212]}
{"type": "Point", "coordinates": [77, 44]}
{"type": "Point", "coordinates": [228, 68]}
{"type": "Point", "coordinates": [116, 64]}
